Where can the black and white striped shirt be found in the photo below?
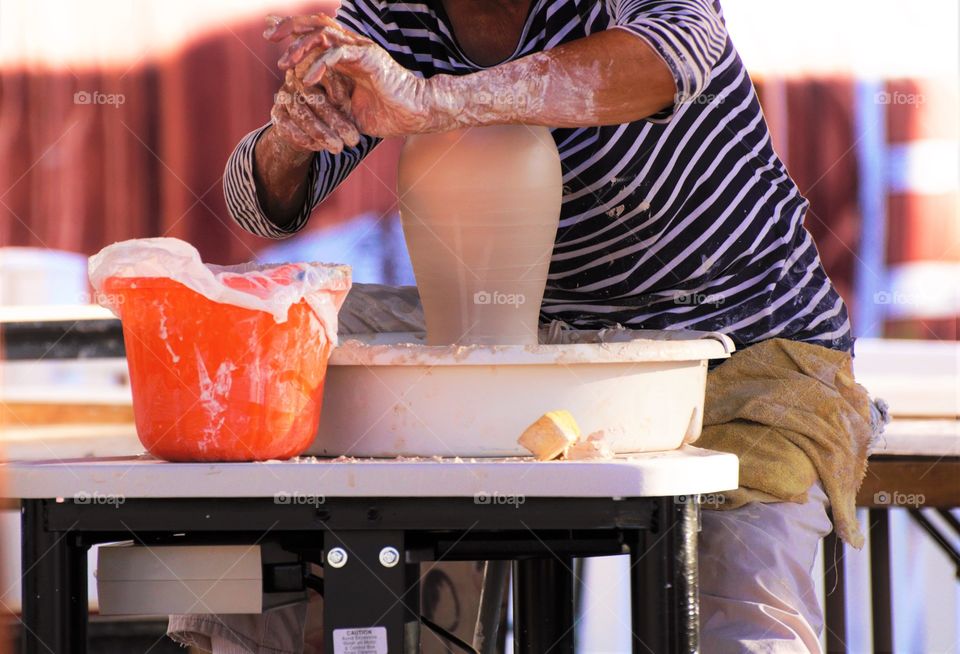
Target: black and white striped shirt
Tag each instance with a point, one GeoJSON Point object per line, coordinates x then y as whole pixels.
{"type": "Point", "coordinates": [684, 220]}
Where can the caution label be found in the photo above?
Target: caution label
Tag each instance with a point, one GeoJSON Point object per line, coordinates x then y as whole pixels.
{"type": "Point", "coordinates": [366, 640]}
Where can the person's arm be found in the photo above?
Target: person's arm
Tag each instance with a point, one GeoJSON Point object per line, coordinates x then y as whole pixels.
{"type": "Point", "coordinates": [660, 54]}
{"type": "Point", "coordinates": [607, 78]}
{"type": "Point", "coordinates": [244, 186]}
{"type": "Point", "coordinates": [280, 176]}
{"type": "Point", "coordinates": [280, 172]}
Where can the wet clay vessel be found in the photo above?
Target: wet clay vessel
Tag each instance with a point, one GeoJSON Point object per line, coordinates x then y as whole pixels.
{"type": "Point", "coordinates": [480, 208]}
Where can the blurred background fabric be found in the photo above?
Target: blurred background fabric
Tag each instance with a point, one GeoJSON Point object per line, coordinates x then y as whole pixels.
{"type": "Point", "coordinates": [116, 119]}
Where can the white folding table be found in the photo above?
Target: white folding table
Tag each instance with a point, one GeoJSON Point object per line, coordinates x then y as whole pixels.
{"type": "Point", "coordinates": [534, 513]}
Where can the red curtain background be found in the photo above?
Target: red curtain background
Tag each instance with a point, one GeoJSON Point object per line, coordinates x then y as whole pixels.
{"type": "Point", "coordinates": [78, 176]}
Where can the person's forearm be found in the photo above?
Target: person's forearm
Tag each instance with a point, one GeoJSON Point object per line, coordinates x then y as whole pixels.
{"type": "Point", "coordinates": [608, 78]}
{"type": "Point", "coordinates": [280, 173]}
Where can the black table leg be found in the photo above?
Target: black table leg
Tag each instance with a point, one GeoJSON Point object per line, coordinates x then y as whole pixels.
{"type": "Point", "coordinates": [371, 595]}
{"type": "Point", "coordinates": [664, 589]}
{"type": "Point", "coordinates": [496, 580]}
{"type": "Point", "coordinates": [54, 586]}
{"type": "Point", "coordinates": [834, 579]}
{"type": "Point", "coordinates": [882, 617]}
{"type": "Point", "coordinates": [543, 606]}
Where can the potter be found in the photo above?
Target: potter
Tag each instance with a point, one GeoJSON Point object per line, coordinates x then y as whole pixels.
{"type": "Point", "coordinates": [676, 214]}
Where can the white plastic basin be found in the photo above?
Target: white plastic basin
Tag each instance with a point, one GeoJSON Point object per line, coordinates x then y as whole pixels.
{"type": "Point", "coordinates": [390, 395]}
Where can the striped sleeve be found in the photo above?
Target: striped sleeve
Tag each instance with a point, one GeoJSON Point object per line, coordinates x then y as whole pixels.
{"type": "Point", "coordinates": [689, 35]}
{"type": "Point", "coordinates": [326, 172]}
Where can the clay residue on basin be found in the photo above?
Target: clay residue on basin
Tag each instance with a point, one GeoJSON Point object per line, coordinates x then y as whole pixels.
{"type": "Point", "coordinates": [576, 347]}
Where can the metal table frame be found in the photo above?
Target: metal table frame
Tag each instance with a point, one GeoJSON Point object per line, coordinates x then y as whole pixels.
{"type": "Point", "coordinates": [540, 535]}
{"type": "Point", "coordinates": [935, 477]}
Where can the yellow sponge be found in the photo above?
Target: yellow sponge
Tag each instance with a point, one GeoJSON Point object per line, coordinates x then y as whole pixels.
{"type": "Point", "coordinates": [551, 436]}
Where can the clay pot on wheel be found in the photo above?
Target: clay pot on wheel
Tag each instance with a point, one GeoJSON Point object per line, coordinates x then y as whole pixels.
{"type": "Point", "coordinates": [480, 209]}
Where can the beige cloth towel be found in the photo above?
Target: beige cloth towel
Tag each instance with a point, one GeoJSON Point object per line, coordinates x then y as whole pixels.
{"type": "Point", "coordinates": [793, 414]}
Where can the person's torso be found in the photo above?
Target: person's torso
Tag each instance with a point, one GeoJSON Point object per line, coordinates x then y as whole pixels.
{"type": "Point", "coordinates": [687, 223]}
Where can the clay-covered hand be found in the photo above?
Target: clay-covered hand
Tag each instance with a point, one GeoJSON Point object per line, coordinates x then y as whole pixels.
{"type": "Point", "coordinates": [608, 78]}
{"type": "Point", "coordinates": [312, 117]}
{"type": "Point", "coordinates": [385, 99]}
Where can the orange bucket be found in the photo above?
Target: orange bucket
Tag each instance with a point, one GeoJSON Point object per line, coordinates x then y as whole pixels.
{"type": "Point", "coordinates": [219, 382]}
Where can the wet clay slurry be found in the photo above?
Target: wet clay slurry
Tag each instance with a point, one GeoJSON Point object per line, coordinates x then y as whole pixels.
{"type": "Point", "coordinates": [480, 208]}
